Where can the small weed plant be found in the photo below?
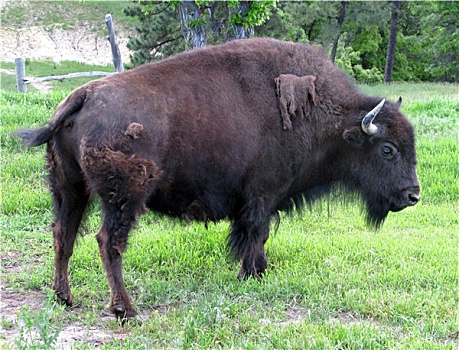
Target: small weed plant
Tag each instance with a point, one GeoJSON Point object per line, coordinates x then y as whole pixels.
{"type": "Point", "coordinates": [38, 329]}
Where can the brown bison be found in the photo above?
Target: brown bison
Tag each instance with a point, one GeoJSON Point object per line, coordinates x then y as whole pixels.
{"type": "Point", "coordinates": [239, 131]}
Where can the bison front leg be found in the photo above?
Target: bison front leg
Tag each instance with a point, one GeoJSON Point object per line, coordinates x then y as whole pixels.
{"type": "Point", "coordinates": [254, 261]}
{"type": "Point", "coordinates": [246, 241]}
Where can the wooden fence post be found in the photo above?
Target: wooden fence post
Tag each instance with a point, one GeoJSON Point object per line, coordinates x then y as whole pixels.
{"type": "Point", "coordinates": [115, 50]}
{"type": "Point", "coordinates": [20, 74]}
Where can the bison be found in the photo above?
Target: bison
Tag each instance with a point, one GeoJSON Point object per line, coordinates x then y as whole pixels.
{"type": "Point", "coordinates": [238, 131]}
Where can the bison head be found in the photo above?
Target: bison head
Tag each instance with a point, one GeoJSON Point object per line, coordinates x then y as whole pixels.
{"type": "Point", "coordinates": [382, 166]}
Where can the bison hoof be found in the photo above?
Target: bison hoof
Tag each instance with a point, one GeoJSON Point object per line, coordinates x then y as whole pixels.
{"type": "Point", "coordinates": [253, 270]}
{"type": "Point", "coordinates": [261, 265]}
{"type": "Point", "coordinates": [245, 275]}
{"type": "Point", "coordinates": [122, 313]}
{"type": "Point", "coordinates": [64, 298]}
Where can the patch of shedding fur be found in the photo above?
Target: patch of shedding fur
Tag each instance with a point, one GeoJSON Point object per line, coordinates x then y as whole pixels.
{"type": "Point", "coordinates": [293, 94]}
{"type": "Point", "coordinates": [134, 130]}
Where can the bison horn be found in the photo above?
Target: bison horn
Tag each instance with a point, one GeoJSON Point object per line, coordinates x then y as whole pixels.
{"type": "Point", "coordinates": [367, 122]}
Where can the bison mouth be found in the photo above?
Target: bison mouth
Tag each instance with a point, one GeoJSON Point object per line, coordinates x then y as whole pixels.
{"type": "Point", "coordinates": [377, 210]}
{"type": "Point", "coordinates": [409, 197]}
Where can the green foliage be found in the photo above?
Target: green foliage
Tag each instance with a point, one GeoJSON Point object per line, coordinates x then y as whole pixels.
{"type": "Point", "coordinates": [174, 3]}
{"type": "Point", "coordinates": [259, 13]}
{"type": "Point", "coordinates": [159, 36]}
{"type": "Point", "coordinates": [351, 62]}
{"type": "Point", "coordinates": [427, 42]}
{"type": "Point", "coordinates": [433, 48]}
{"type": "Point", "coordinates": [280, 26]}
{"type": "Point", "coordinates": [194, 23]}
{"type": "Point", "coordinates": [367, 41]}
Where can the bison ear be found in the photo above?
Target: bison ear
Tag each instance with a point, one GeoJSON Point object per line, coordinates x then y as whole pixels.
{"type": "Point", "coordinates": [354, 136]}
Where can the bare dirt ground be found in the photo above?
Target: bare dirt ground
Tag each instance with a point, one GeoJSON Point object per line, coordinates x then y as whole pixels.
{"type": "Point", "coordinates": [12, 304]}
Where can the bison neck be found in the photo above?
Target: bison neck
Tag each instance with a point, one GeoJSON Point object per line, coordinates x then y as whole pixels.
{"type": "Point", "coordinates": [320, 171]}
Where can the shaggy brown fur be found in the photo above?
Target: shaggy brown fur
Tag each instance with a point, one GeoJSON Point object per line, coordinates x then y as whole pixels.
{"type": "Point", "coordinates": [134, 130]}
{"type": "Point", "coordinates": [294, 94]}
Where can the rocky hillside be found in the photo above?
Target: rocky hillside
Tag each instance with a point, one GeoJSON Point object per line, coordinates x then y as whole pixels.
{"type": "Point", "coordinates": [64, 30]}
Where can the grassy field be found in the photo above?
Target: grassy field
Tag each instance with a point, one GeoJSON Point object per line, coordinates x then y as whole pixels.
{"type": "Point", "coordinates": [49, 68]}
{"type": "Point", "coordinates": [332, 283]}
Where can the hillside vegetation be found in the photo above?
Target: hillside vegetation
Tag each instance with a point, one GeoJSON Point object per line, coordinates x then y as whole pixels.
{"type": "Point", "coordinates": [354, 33]}
{"type": "Point", "coordinates": [63, 30]}
{"type": "Point", "coordinates": [65, 13]}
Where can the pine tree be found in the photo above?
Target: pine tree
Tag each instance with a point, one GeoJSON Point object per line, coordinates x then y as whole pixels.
{"type": "Point", "coordinates": [158, 34]}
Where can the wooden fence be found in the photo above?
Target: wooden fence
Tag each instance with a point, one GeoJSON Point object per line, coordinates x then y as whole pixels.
{"type": "Point", "coordinates": [22, 80]}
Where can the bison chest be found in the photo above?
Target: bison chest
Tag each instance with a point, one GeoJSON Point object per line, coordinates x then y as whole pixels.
{"type": "Point", "coordinates": [201, 198]}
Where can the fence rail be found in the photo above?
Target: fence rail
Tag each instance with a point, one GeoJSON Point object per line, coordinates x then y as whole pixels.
{"type": "Point", "coordinates": [22, 80]}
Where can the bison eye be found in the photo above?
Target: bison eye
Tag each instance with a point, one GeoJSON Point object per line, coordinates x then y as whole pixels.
{"type": "Point", "coordinates": [389, 151]}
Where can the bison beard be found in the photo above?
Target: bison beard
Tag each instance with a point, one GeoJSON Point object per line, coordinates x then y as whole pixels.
{"type": "Point", "coordinates": [238, 131]}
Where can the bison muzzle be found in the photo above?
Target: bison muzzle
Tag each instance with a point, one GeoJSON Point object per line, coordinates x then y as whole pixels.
{"type": "Point", "coordinates": [238, 131]}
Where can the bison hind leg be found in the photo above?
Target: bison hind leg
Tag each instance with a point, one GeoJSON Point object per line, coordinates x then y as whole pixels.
{"type": "Point", "coordinates": [70, 199]}
{"type": "Point", "coordinates": [124, 182]}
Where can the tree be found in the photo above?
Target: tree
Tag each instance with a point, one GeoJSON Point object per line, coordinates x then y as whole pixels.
{"type": "Point", "coordinates": [158, 33]}
{"type": "Point", "coordinates": [192, 25]}
{"type": "Point", "coordinates": [315, 18]}
{"type": "Point", "coordinates": [200, 22]}
{"type": "Point", "coordinates": [340, 20]}
{"type": "Point", "coordinates": [350, 31]}
{"type": "Point", "coordinates": [356, 34]}
{"type": "Point", "coordinates": [442, 39]}
{"type": "Point", "coordinates": [392, 42]}
{"type": "Point", "coordinates": [238, 14]}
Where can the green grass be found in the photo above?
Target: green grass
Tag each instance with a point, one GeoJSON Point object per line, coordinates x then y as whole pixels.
{"type": "Point", "coordinates": [414, 92]}
{"type": "Point", "coordinates": [49, 68]}
{"type": "Point", "coordinates": [332, 283]}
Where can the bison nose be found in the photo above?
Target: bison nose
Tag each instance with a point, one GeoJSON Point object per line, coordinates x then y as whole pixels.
{"type": "Point", "coordinates": [412, 195]}
{"type": "Point", "coordinates": [414, 198]}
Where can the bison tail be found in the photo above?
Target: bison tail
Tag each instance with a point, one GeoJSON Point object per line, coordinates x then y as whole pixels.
{"type": "Point", "coordinates": [71, 105]}
{"type": "Point", "coordinates": [34, 137]}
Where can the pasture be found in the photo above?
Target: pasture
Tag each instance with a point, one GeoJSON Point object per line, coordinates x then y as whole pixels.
{"type": "Point", "coordinates": [332, 283]}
